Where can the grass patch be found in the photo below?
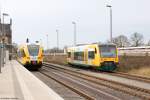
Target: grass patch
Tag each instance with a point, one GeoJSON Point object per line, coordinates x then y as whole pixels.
{"type": "Point", "coordinates": [144, 71]}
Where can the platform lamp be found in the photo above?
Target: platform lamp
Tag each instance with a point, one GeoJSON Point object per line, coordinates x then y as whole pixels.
{"type": "Point", "coordinates": [57, 31]}
{"type": "Point", "coordinates": [47, 41]}
{"type": "Point", "coordinates": [109, 6]}
{"type": "Point", "coordinates": [75, 30]}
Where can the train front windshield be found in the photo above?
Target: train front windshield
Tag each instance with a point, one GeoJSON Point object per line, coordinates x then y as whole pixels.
{"type": "Point", "coordinates": [108, 51]}
{"type": "Point", "coordinates": [33, 50]}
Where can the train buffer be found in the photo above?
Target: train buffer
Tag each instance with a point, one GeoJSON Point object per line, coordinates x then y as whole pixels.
{"type": "Point", "coordinates": [17, 83]}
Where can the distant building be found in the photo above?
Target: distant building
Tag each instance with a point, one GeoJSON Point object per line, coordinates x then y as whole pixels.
{"type": "Point", "coordinates": [6, 35]}
{"type": "Point", "coordinates": [6, 29]}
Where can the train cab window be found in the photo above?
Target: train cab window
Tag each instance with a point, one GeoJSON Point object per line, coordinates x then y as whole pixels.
{"type": "Point", "coordinates": [33, 50]}
{"type": "Point", "coordinates": [108, 51]}
{"type": "Point", "coordinates": [91, 54]}
{"type": "Point", "coordinates": [69, 54]}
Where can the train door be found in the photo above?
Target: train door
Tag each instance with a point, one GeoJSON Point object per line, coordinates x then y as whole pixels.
{"type": "Point", "coordinates": [91, 56]}
{"type": "Point", "coordinates": [86, 56]}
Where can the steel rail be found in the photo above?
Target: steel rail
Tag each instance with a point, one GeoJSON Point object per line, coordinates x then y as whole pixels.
{"type": "Point", "coordinates": [81, 93]}
{"type": "Point", "coordinates": [123, 75]}
{"type": "Point", "coordinates": [82, 85]}
{"type": "Point", "coordinates": [132, 90]}
{"type": "Point", "coordinates": [131, 76]}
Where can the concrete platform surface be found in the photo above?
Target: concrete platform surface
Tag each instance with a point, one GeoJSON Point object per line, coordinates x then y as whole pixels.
{"type": "Point", "coordinates": [17, 83]}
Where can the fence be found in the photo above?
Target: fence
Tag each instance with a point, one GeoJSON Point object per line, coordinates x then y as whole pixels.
{"type": "Point", "coordinates": [134, 51]}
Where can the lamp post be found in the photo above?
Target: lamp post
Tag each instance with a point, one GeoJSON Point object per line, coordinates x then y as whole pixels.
{"type": "Point", "coordinates": [74, 23]}
{"type": "Point", "coordinates": [41, 43]}
{"type": "Point", "coordinates": [109, 6]}
{"type": "Point", "coordinates": [47, 41]}
{"type": "Point", "coordinates": [57, 31]}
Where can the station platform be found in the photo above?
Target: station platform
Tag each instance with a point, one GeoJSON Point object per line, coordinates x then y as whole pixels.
{"type": "Point", "coordinates": [17, 83]}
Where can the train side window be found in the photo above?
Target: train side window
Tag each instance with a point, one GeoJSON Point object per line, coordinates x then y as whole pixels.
{"type": "Point", "coordinates": [91, 54]}
{"type": "Point", "coordinates": [22, 53]}
{"type": "Point", "coordinates": [79, 56]}
{"type": "Point", "coordinates": [75, 55]}
{"type": "Point", "coordinates": [19, 54]}
{"type": "Point", "coordinates": [69, 54]}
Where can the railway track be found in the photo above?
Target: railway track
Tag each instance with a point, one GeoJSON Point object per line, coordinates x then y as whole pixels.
{"type": "Point", "coordinates": [86, 96]}
{"type": "Point", "coordinates": [121, 74]}
{"type": "Point", "coordinates": [65, 92]}
{"type": "Point", "coordinates": [124, 75]}
{"type": "Point", "coordinates": [132, 90]}
{"type": "Point", "coordinates": [130, 76]}
{"type": "Point", "coordinates": [88, 90]}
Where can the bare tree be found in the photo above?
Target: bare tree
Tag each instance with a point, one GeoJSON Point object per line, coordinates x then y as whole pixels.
{"type": "Point", "coordinates": [136, 39]}
{"type": "Point", "coordinates": [121, 41]}
{"type": "Point", "coordinates": [55, 50]}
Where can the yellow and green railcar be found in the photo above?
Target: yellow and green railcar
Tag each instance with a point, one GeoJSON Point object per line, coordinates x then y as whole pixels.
{"type": "Point", "coordinates": [99, 56]}
{"type": "Point", "coordinates": [31, 55]}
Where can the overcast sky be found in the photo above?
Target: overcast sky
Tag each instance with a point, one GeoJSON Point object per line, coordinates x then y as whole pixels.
{"type": "Point", "coordinates": [36, 18]}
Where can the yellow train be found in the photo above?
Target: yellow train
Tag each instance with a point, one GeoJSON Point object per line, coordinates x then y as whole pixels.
{"type": "Point", "coordinates": [31, 55]}
{"type": "Point", "coordinates": [99, 56]}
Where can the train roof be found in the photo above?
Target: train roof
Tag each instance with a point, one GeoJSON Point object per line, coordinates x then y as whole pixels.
{"type": "Point", "coordinates": [32, 44]}
{"type": "Point", "coordinates": [93, 44]}
{"type": "Point", "coordinates": [25, 44]}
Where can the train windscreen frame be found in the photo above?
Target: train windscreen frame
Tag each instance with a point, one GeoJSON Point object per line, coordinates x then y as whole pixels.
{"type": "Point", "coordinates": [33, 50]}
{"type": "Point", "coordinates": [108, 51]}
